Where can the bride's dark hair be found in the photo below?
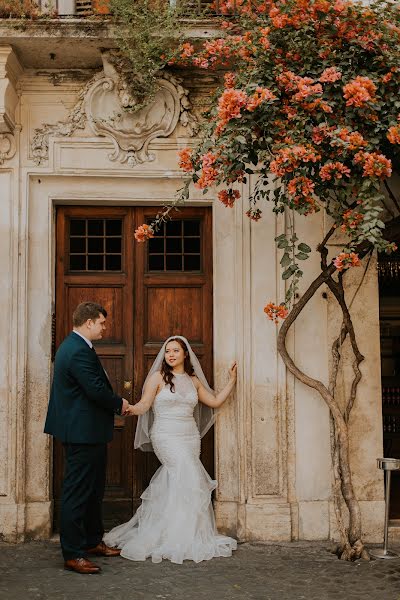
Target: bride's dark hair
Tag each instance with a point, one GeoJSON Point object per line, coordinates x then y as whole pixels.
{"type": "Point", "coordinates": [166, 370]}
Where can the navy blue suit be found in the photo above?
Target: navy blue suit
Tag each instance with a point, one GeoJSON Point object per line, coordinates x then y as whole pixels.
{"type": "Point", "coordinates": [81, 415]}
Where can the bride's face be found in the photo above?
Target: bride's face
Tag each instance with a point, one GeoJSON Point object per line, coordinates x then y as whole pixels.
{"type": "Point", "coordinates": [174, 354]}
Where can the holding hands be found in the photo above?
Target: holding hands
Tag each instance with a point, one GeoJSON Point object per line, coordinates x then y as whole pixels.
{"type": "Point", "coordinates": [129, 410]}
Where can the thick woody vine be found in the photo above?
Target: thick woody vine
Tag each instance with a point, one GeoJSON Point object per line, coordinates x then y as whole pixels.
{"type": "Point", "coordinates": [309, 102]}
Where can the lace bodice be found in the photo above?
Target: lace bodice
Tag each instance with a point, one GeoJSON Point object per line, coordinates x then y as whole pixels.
{"type": "Point", "coordinates": [180, 403]}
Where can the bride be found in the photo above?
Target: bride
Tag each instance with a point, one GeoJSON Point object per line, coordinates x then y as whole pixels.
{"type": "Point", "coordinates": [176, 519]}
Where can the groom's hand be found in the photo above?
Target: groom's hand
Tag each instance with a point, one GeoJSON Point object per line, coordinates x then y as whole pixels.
{"type": "Point", "coordinates": [124, 407]}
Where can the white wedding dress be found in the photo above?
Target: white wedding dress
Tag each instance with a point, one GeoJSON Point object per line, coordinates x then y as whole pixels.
{"type": "Point", "coordinates": [176, 518]}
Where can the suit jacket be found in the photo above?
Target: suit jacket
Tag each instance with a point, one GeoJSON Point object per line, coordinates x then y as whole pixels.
{"type": "Point", "coordinates": [82, 403]}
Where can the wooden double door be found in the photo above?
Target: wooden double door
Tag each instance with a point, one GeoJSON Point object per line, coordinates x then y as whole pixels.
{"type": "Point", "coordinates": [150, 291]}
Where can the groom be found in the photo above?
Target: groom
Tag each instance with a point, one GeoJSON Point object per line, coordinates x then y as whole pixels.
{"type": "Point", "coordinates": [81, 415]}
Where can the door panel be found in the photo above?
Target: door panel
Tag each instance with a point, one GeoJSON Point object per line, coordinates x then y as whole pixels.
{"type": "Point", "coordinates": [150, 291]}
{"type": "Point", "coordinates": [174, 296]}
{"type": "Point", "coordinates": [86, 270]}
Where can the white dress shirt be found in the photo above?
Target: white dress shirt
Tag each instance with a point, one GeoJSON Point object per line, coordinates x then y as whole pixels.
{"type": "Point", "coordinates": [89, 343]}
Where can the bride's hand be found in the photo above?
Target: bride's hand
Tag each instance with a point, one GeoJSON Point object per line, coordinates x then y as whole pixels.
{"type": "Point", "coordinates": [233, 372]}
{"type": "Point", "coordinates": [129, 411]}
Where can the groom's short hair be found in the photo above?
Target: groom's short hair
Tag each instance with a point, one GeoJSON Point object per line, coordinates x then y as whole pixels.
{"type": "Point", "coordinates": [85, 311]}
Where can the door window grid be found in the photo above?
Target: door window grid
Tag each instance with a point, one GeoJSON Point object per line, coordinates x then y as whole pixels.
{"type": "Point", "coordinates": [95, 244]}
{"type": "Point", "coordinates": [176, 246]}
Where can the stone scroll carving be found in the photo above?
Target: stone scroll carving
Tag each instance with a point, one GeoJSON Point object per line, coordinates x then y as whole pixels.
{"type": "Point", "coordinates": [7, 147]}
{"type": "Point", "coordinates": [107, 107]}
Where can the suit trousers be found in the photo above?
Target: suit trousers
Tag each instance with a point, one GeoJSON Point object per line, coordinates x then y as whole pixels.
{"type": "Point", "coordinates": [81, 525]}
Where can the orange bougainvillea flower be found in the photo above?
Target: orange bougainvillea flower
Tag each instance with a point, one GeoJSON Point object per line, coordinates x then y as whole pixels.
{"type": "Point", "coordinates": [302, 189]}
{"type": "Point", "coordinates": [143, 233]}
{"type": "Point", "coordinates": [264, 41]}
{"type": "Point", "coordinates": [330, 75]}
{"type": "Point", "coordinates": [276, 311]}
{"type": "Point", "coordinates": [209, 173]}
{"type": "Point", "coordinates": [353, 139]}
{"type": "Point", "coordinates": [344, 260]}
{"type": "Point", "coordinates": [288, 159]}
{"type": "Point", "coordinates": [101, 7]}
{"type": "Point", "coordinates": [351, 220]}
{"type": "Point", "coordinates": [185, 160]}
{"type": "Point", "coordinates": [393, 134]}
{"type": "Point", "coordinates": [254, 214]}
{"type": "Point", "coordinates": [228, 197]}
{"type": "Point", "coordinates": [374, 164]}
{"type": "Point", "coordinates": [187, 50]}
{"type": "Point", "coordinates": [229, 80]}
{"type": "Point", "coordinates": [334, 170]}
{"type": "Point", "coordinates": [230, 104]}
{"type": "Point", "coordinates": [359, 91]}
{"type": "Point", "coordinates": [260, 95]}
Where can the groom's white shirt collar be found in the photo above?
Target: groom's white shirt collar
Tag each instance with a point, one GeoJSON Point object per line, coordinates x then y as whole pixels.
{"type": "Point", "coordinates": [89, 343]}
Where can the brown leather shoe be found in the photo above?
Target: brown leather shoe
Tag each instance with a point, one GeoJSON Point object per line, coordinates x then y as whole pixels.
{"type": "Point", "coordinates": [103, 550]}
{"type": "Point", "coordinates": [82, 565]}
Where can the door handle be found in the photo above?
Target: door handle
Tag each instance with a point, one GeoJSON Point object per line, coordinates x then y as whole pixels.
{"type": "Point", "coordinates": [128, 385]}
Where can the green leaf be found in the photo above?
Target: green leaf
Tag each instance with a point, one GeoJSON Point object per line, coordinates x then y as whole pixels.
{"type": "Point", "coordinates": [241, 139]}
{"type": "Point", "coordinates": [302, 256]}
{"type": "Point", "coordinates": [283, 244]}
{"type": "Point", "coordinates": [286, 274]}
{"type": "Point", "coordinates": [304, 247]}
{"type": "Point", "coordinates": [285, 260]}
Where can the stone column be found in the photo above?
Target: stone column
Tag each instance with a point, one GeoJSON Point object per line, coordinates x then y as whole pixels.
{"type": "Point", "coordinates": [12, 429]}
{"type": "Point", "coordinates": [251, 432]}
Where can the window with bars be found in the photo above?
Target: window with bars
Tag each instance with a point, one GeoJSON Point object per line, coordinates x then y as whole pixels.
{"type": "Point", "coordinates": [176, 247]}
{"type": "Point", "coordinates": [95, 244]}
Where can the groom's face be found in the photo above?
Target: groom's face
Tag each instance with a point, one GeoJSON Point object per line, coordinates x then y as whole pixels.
{"type": "Point", "coordinates": [96, 327]}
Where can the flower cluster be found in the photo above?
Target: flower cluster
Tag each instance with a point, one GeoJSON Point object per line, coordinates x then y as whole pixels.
{"type": "Point", "coordinates": [228, 197]}
{"type": "Point", "coordinates": [320, 115]}
{"type": "Point", "coordinates": [393, 134]}
{"type": "Point", "coordinates": [209, 173]}
{"type": "Point", "coordinates": [302, 190]}
{"type": "Point", "coordinates": [230, 104]}
{"type": "Point", "coordinates": [353, 140]}
{"type": "Point", "coordinates": [260, 95]}
{"type": "Point", "coordinates": [359, 91]}
{"type": "Point", "coordinates": [232, 101]}
{"type": "Point", "coordinates": [330, 75]}
{"type": "Point", "coordinates": [374, 164]}
{"type": "Point", "coordinates": [254, 214]}
{"type": "Point", "coordinates": [143, 232]}
{"type": "Point", "coordinates": [185, 160]}
{"type": "Point", "coordinates": [334, 170]}
{"type": "Point", "coordinates": [276, 311]}
{"type": "Point", "coordinates": [288, 159]}
{"type": "Point", "coordinates": [351, 219]}
{"type": "Point", "coordinates": [344, 260]}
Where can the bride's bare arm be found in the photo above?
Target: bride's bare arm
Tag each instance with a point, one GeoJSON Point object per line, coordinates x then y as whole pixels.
{"type": "Point", "coordinates": [149, 393]}
{"type": "Point", "coordinates": [216, 401]}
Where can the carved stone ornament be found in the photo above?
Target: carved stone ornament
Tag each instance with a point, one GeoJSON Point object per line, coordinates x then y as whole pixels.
{"type": "Point", "coordinates": [106, 105]}
{"type": "Point", "coordinates": [10, 71]}
{"type": "Point", "coordinates": [7, 147]}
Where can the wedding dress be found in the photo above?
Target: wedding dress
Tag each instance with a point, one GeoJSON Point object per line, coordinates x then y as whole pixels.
{"type": "Point", "coordinates": [176, 519]}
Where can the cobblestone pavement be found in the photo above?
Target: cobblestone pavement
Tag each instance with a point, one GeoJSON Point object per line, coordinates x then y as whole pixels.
{"type": "Point", "coordinates": [299, 571]}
